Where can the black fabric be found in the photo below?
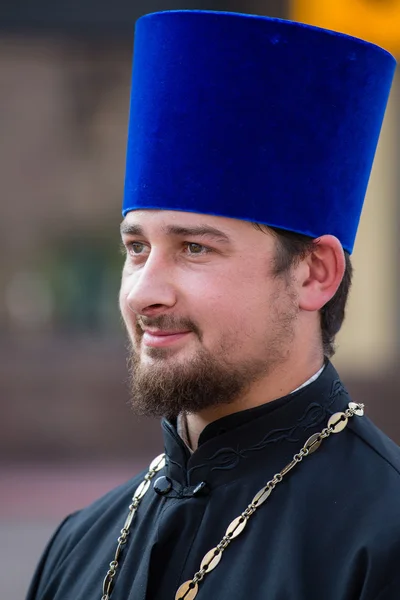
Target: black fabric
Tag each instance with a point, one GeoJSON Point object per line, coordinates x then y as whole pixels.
{"type": "Point", "coordinates": [329, 531]}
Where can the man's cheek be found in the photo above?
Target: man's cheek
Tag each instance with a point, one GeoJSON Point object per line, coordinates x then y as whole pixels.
{"type": "Point", "coordinates": [128, 316]}
{"type": "Point", "coordinates": [123, 305]}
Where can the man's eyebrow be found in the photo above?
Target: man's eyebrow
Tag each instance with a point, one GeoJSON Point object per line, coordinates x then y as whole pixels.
{"type": "Point", "coordinates": [179, 230]}
{"type": "Point", "coordinates": [197, 230]}
{"type": "Point", "coordinates": [129, 229]}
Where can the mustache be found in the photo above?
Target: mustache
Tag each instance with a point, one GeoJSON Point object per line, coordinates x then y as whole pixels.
{"type": "Point", "coordinates": [168, 322]}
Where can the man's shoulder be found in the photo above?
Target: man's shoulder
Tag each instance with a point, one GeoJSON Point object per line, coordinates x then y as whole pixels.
{"type": "Point", "coordinates": [370, 475]}
{"type": "Point", "coordinates": [84, 530]}
{"type": "Point", "coordinates": [376, 447]}
{"type": "Point", "coordinates": [109, 507]}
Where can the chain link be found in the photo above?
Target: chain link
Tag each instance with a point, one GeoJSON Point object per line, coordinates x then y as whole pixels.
{"type": "Point", "coordinates": [189, 589]}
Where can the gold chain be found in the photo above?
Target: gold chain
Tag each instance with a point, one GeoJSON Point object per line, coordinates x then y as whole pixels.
{"type": "Point", "coordinates": [189, 589]}
{"type": "Point", "coordinates": [156, 465]}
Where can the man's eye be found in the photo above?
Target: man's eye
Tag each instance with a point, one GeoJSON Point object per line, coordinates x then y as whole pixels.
{"type": "Point", "coordinates": [135, 247]}
{"type": "Point", "coordinates": [197, 248]}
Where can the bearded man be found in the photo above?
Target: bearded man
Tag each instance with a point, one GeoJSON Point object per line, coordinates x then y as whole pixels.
{"type": "Point", "coordinates": [250, 146]}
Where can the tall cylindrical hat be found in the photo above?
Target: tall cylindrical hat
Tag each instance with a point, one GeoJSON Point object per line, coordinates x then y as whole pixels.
{"type": "Point", "coordinates": [254, 118]}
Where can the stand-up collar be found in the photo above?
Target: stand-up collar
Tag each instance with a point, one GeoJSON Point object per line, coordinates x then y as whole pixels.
{"type": "Point", "coordinates": [282, 425]}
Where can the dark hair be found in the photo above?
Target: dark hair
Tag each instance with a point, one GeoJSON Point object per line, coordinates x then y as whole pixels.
{"type": "Point", "coordinates": [293, 247]}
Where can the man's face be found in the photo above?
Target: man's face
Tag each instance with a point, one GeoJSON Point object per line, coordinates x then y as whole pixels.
{"type": "Point", "coordinates": [205, 314]}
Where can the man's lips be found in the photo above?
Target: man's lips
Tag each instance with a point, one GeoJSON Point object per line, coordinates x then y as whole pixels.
{"type": "Point", "coordinates": [162, 338]}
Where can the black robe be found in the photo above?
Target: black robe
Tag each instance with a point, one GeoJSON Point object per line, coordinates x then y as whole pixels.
{"type": "Point", "coordinates": [329, 531]}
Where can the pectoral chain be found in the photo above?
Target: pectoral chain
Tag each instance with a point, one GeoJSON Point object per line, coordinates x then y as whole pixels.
{"type": "Point", "coordinates": [189, 589]}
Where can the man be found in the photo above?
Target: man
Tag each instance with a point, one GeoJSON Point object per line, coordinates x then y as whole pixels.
{"type": "Point", "coordinates": [250, 146]}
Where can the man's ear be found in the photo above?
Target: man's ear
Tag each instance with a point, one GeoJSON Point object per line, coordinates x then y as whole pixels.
{"type": "Point", "coordinates": [320, 273]}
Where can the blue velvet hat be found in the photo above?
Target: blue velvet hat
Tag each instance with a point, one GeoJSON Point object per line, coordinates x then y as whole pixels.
{"type": "Point", "coordinates": [254, 118]}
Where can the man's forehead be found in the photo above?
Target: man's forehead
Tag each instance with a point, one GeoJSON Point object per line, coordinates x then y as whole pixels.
{"type": "Point", "coordinates": [153, 218]}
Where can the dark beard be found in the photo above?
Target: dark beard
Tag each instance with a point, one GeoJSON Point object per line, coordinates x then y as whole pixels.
{"type": "Point", "coordinates": [167, 391]}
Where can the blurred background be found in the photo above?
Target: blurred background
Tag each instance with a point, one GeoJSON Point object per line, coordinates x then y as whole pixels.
{"type": "Point", "coordinates": [66, 432]}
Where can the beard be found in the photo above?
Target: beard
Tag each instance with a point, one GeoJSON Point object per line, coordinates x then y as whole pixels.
{"type": "Point", "coordinates": [167, 388]}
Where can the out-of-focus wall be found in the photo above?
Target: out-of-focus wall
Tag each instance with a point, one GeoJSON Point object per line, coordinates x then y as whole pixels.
{"type": "Point", "coordinates": [63, 107]}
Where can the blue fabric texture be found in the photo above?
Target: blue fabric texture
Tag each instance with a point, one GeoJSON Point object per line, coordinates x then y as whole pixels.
{"type": "Point", "coordinates": [254, 118]}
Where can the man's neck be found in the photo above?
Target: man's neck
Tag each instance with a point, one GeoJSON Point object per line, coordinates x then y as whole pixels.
{"type": "Point", "coordinates": [191, 425]}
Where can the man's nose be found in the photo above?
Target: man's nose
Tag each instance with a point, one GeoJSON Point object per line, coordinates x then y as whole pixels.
{"type": "Point", "coordinates": [152, 288]}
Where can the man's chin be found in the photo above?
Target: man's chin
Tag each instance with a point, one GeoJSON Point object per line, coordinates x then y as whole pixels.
{"type": "Point", "coordinates": [151, 355]}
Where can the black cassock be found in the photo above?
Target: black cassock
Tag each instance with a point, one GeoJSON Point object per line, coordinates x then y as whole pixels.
{"type": "Point", "coordinates": [329, 531]}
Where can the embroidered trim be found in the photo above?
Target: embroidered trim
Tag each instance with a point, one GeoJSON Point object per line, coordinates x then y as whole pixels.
{"type": "Point", "coordinates": [229, 458]}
